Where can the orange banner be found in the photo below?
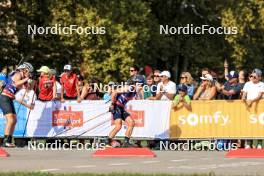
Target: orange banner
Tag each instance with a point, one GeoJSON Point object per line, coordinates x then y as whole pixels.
{"type": "Point", "coordinates": [218, 119]}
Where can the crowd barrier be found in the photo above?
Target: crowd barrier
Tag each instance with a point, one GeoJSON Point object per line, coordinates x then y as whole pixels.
{"type": "Point", "coordinates": [154, 119]}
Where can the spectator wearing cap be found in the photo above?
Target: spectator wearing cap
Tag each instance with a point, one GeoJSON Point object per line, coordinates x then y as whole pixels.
{"type": "Point", "coordinates": [182, 99]}
{"type": "Point", "coordinates": [242, 75]}
{"type": "Point", "coordinates": [187, 80]}
{"type": "Point", "coordinates": [69, 84]}
{"type": "Point", "coordinates": [47, 85]}
{"type": "Point", "coordinates": [166, 89]}
{"type": "Point", "coordinates": [253, 89]}
{"type": "Point", "coordinates": [207, 89]}
{"type": "Point", "coordinates": [231, 89]}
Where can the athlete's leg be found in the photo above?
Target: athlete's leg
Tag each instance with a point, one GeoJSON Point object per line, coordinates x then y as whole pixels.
{"type": "Point", "coordinates": [9, 130]}
{"type": "Point", "coordinates": [130, 126]}
{"type": "Point", "coordinates": [130, 123]}
{"type": "Point", "coordinates": [11, 121]}
{"type": "Point", "coordinates": [7, 106]}
{"type": "Point", "coordinates": [118, 126]}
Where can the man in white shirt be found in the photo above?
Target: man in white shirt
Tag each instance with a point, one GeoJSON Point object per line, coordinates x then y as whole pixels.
{"type": "Point", "coordinates": [166, 89]}
{"type": "Point", "coordinates": [254, 89]}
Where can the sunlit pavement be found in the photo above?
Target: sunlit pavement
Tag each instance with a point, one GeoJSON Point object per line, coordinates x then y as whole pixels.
{"type": "Point", "coordinates": [22, 159]}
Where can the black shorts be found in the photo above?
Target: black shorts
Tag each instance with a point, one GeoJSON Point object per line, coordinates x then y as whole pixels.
{"type": "Point", "coordinates": [7, 105]}
{"type": "Point", "coordinates": [120, 113]}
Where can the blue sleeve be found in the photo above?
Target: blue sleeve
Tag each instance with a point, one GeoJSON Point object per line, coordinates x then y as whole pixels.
{"type": "Point", "coordinates": [191, 91]}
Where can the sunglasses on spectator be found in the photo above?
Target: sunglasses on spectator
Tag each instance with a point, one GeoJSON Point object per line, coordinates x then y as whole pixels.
{"type": "Point", "coordinates": [156, 76]}
{"type": "Point", "coordinates": [182, 77]}
{"type": "Point", "coordinates": [132, 70]}
{"type": "Point", "coordinates": [251, 76]}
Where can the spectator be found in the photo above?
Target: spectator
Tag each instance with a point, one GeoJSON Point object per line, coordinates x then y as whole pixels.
{"type": "Point", "coordinates": [150, 86]}
{"type": "Point", "coordinates": [252, 93]}
{"type": "Point", "coordinates": [242, 78]}
{"type": "Point", "coordinates": [231, 89]}
{"type": "Point", "coordinates": [156, 78]}
{"type": "Point", "coordinates": [107, 95]}
{"type": "Point", "coordinates": [58, 85]}
{"type": "Point", "coordinates": [254, 89]}
{"type": "Point", "coordinates": [69, 84]}
{"type": "Point", "coordinates": [143, 92]}
{"type": "Point", "coordinates": [187, 80]}
{"type": "Point", "coordinates": [218, 85]}
{"type": "Point", "coordinates": [90, 91]}
{"type": "Point", "coordinates": [134, 71]}
{"type": "Point", "coordinates": [182, 98]}
{"type": "Point", "coordinates": [166, 89]}
{"type": "Point", "coordinates": [207, 89]}
{"type": "Point", "coordinates": [27, 95]}
{"type": "Point", "coordinates": [47, 85]}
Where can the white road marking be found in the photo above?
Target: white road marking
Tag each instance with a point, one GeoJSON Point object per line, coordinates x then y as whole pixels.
{"type": "Point", "coordinates": [179, 160]}
{"type": "Point", "coordinates": [149, 162]}
{"type": "Point", "coordinates": [85, 166]}
{"type": "Point", "coordinates": [48, 170]}
{"type": "Point", "coordinates": [119, 164]}
{"type": "Point", "coordinates": [170, 167]}
{"type": "Point", "coordinates": [186, 167]}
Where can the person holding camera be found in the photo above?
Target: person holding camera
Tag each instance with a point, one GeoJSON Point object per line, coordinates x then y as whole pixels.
{"type": "Point", "coordinates": [47, 85]}
{"type": "Point", "coordinates": [15, 82]}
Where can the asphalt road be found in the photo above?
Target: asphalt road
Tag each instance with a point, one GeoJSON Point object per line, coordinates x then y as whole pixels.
{"type": "Point", "coordinates": [22, 159]}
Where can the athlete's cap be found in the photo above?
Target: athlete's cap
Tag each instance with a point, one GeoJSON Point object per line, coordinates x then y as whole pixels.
{"type": "Point", "coordinates": [165, 73]}
{"type": "Point", "coordinates": [67, 67]}
{"type": "Point", "coordinates": [44, 69]}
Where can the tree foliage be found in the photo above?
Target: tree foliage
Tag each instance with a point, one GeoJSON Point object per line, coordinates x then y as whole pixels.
{"type": "Point", "coordinates": [132, 35]}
